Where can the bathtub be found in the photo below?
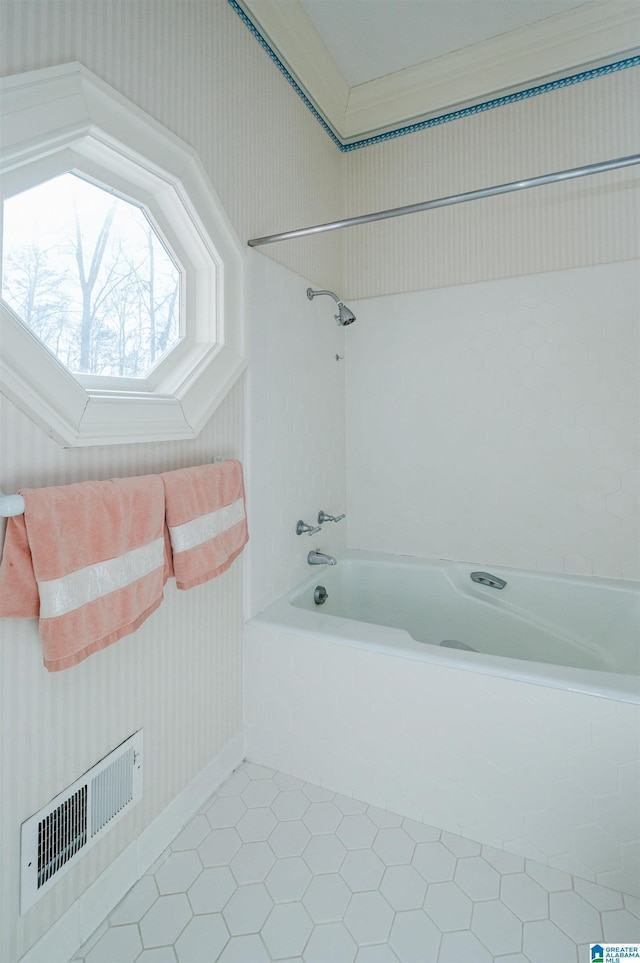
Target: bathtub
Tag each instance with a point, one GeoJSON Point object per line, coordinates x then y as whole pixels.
{"type": "Point", "coordinates": [530, 743]}
{"type": "Point", "coordinates": [569, 632]}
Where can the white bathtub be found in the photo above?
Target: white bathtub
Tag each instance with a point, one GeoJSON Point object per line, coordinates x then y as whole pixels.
{"type": "Point", "coordinates": [570, 632]}
{"type": "Point", "coordinates": [530, 744]}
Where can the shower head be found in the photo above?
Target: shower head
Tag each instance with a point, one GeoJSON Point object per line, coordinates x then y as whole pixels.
{"type": "Point", "coordinates": [344, 316]}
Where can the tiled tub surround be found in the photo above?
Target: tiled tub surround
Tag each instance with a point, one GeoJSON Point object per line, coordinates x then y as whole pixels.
{"type": "Point", "coordinates": [274, 868]}
{"type": "Point", "coordinates": [296, 430]}
{"type": "Point", "coordinates": [498, 422]}
{"type": "Point", "coordinates": [541, 772]}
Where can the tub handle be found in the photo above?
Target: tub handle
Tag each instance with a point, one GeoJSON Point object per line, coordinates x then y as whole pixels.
{"type": "Point", "coordinates": [302, 527]}
{"type": "Point", "coordinates": [323, 517]}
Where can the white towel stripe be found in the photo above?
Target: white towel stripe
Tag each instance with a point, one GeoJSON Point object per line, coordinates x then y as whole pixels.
{"type": "Point", "coordinates": [61, 595]}
{"type": "Point", "coordinates": [205, 527]}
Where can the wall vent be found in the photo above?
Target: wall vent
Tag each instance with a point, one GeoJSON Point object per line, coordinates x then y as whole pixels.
{"type": "Point", "coordinates": [54, 838]}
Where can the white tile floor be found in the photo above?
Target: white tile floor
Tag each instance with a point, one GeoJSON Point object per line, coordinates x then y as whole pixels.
{"type": "Point", "coordinates": [276, 869]}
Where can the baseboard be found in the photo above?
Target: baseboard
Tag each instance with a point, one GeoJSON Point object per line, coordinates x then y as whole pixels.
{"type": "Point", "coordinates": [66, 936]}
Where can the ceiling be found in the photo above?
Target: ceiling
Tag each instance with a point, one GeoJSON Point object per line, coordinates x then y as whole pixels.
{"type": "Point", "coordinates": [372, 66]}
{"type": "Point", "coordinates": [371, 38]}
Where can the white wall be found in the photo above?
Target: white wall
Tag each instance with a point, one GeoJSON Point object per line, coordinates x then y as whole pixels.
{"type": "Point", "coordinates": [498, 422]}
{"type": "Point", "coordinates": [296, 429]}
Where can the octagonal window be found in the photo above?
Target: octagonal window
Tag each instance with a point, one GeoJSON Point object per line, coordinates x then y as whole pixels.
{"type": "Point", "coordinates": [89, 274]}
{"type": "Point", "coordinates": [122, 279]}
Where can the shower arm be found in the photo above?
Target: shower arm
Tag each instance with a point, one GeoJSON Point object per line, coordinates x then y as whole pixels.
{"type": "Point", "coordinates": [311, 294]}
{"type": "Point", "coordinates": [344, 316]}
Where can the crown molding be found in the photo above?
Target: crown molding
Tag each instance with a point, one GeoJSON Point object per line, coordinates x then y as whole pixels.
{"type": "Point", "coordinates": [592, 33]}
{"type": "Point", "coordinates": [548, 48]}
{"type": "Point", "coordinates": [287, 28]}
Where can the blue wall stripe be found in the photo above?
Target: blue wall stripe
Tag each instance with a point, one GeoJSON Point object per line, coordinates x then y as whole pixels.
{"type": "Point", "coordinates": [442, 118]}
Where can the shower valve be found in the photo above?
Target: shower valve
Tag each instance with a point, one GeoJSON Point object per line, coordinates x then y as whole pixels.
{"type": "Point", "coordinates": [323, 517]}
{"type": "Point", "coordinates": [302, 528]}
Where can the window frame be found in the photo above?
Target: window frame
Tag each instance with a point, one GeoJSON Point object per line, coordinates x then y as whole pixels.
{"type": "Point", "coordinates": [65, 119]}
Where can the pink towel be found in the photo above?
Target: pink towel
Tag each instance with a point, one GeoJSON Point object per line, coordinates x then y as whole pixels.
{"type": "Point", "coordinates": [205, 512]}
{"type": "Point", "coordinates": [90, 560]}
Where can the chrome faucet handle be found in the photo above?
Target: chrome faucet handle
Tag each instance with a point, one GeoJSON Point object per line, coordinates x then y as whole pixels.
{"type": "Point", "coordinates": [302, 527]}
{"type": "Point", "coordinates": [323, 517]}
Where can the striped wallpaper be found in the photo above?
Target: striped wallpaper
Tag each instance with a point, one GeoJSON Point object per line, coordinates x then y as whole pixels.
{"type": "Point", "coordinates": [193, 67]}
{"type": "Point", "coordinates": [178, 676]}
{"type": "Point", "coordinates": [587, 221]}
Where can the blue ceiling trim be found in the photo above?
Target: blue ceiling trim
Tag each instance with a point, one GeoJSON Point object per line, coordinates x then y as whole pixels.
{"type": "Point", "coordinates": [497, 102]}
{"type": "Point", "coordinates": [283, 70]}
{"type": "Point", "coordinates": [442, 118]}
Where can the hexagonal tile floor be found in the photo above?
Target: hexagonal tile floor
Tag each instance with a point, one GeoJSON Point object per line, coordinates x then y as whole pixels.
{"type": "Point", "coordinates": [273, 868]}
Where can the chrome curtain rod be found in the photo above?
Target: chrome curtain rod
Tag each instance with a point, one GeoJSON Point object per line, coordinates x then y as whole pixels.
{"type": "Point", "coordinates": [610, 165]}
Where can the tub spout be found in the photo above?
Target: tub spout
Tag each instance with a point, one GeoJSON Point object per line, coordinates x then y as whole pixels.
{"type": "Point", "coordinates": [319, 558]}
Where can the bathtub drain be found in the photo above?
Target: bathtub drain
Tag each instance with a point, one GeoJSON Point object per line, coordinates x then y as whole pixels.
{"type": "Point", "coordinates": [320, 595]}
{"type": "Point", "coordinates": [455, 644]}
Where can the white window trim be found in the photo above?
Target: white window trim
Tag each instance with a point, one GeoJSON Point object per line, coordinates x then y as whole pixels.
{"type": "Point", "coordinates": [67, 119]}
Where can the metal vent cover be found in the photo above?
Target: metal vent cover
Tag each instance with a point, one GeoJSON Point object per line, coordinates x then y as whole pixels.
{"type": "Point", "coordinates": [53, 838]}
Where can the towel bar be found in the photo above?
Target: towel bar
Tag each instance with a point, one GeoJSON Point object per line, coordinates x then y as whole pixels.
{"type": "Point", "coordinates": [10, 505]}
{"type": "Point", "coordinates": [14, 504]}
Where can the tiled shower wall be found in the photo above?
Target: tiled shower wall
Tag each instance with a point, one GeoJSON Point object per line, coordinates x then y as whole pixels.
{"type": "Point", "coordinates": [498, 422]}
{"type": "Point", "coordinates": [296, 429]}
